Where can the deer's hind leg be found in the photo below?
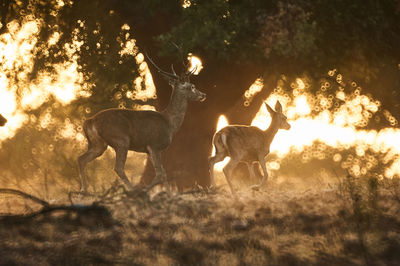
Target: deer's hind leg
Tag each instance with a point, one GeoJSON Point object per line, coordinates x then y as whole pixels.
{"type": "Point", "coordinates": [220, 153]}
{"type": "Point", "coordinates": [219, 156]}
{"type": "Point", "coordinates": [228, 171]}
{"type": "Point", "coordinates": [95, 150]}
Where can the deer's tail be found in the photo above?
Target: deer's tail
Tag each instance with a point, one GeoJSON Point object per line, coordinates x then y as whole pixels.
{"type": "Point", "coordinates": [91, 132]}
{"type": "Point", "coordinates": [220, 142]}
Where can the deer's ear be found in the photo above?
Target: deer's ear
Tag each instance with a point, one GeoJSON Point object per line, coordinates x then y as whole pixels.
{"type": "Point", "coordinates": [270, 110]}
{"type": "Point", "coordinates": [278, 107]}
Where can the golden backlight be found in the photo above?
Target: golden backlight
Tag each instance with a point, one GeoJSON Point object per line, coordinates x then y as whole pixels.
{"type": "Point", "coordinates": [195, 64]}
{"type": "Point", "coordinates": [144, 85]}
{"type": "Point", "coordinates": [222, 122]}
{"type": "Point", "coordinates": [319, 120]}
{"type": "Point", "coordinates": [18, 93]}
{"type": "Point", "coordinates": [65, 82]}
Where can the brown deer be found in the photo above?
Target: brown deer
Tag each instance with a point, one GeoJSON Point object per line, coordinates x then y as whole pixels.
{"type": "Point", "coordinates": [246, 144]}
{"type": "Point", "coordinates": [143, 131]}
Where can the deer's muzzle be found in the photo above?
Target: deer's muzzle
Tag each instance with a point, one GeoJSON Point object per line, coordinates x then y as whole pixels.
{"type": "Point", "coordinates": [202, 97]}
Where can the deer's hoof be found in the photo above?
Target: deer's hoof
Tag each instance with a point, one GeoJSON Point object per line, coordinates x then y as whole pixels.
{"type": "Point", "coordinates": [157, 180]}
{"type": "Point", "coordinates": [255, 187]}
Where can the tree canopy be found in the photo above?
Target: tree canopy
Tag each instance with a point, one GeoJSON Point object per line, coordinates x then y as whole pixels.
{"type": "Point", "coordinates": [316, 32]}
{"type": "Point", "coordinates": [238, 41]}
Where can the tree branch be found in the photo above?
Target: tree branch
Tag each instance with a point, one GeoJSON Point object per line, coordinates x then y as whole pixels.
{"type": "Point", "coordinates": [25, 195]}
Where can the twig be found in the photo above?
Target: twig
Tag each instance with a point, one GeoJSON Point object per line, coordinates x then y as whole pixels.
{"type": "Point", "coordinates": [153, 184]}
{"type": "Point", "coordinates": [46, 207]}
{"type": "Point", "coordinates": [109, 194]}
{"type": "Point", "coordinates": [51, 208]}
{"type": "Point", "coordinates": [24, 195]}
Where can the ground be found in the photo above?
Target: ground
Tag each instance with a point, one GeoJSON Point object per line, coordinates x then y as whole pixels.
{"type": "Point", "coordinates": [347, 222]}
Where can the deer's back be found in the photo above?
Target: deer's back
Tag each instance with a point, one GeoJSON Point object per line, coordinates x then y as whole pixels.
{"type": "Point", "coordinates": [141, 128]}
{"type": "Point", "coordinates": [242, 142]}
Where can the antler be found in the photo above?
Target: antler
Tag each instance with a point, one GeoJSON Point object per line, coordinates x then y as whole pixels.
{"type": "Point", "coordinates": [192, 72]}
{"type": "Point", "coordinates": [185, 65]}
{"type": "Point", "coordinates": [186, 74]}
{"type": "Point", "coordinates": [173, 70]}
{"type": "Point", "coordinates": [165, 73]}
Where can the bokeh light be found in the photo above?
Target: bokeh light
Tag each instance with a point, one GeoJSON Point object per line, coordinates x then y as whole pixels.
{"type": "Point", "coordinates": [195, 64]}
{"type": "Point", "coordinates": [19, 93]}
{"type": "Point", "coordinates": [222, 122]}
{"type": "Point", "coordinates": [255, 88]}
{"type": "Point", "coordinates": [63, 81]}
{"type": "Point", "coordinates": [332, 123]}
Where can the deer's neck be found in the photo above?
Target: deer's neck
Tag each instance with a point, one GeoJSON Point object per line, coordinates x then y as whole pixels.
{"type": "Point", "coordinates": [271, 131]}
{"type": "Point", "coordinates": [175, 111]}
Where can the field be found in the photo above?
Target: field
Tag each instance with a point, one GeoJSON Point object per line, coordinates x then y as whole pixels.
{"type": "Point", "coordinates": [345, 221]}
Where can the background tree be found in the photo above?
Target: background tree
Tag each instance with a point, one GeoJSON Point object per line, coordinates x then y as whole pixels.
{"type": "Point", "coordinates": [238, 42]}
{"type": "Point", "coordinates": [92, 40]}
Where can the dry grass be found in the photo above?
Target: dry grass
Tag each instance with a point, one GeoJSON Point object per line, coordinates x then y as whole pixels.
{"type": "Point", "coordinates": [352, 222]}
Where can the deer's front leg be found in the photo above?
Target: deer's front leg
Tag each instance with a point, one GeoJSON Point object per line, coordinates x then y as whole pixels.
{"type": "Point", "coordinates": [261, 159]}
{"type": "Point", "coordinates": [161, 175]}
{"type": "Point", "coordinates": [119, 168]}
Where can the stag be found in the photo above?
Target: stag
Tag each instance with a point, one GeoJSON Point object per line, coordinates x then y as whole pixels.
{"type": "Point", "coordinates": [246, 144]}
{"type": "Point", "coordinates": [142, 131]}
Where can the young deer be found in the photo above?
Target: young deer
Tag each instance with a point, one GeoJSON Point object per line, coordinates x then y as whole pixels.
{"type": "Point", "coordinates": [149, 132]}
{"type": "Point", "coordinates": [246, 144]}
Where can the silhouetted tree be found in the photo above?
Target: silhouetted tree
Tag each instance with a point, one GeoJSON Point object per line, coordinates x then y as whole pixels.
{"type": "Point", "coordinates": [238, 41]}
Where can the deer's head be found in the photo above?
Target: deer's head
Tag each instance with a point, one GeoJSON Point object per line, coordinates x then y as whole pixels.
{"type": "Point", "coordinates": [277, 116]}
{"type": "Point", "coordinates": [181, 83]}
